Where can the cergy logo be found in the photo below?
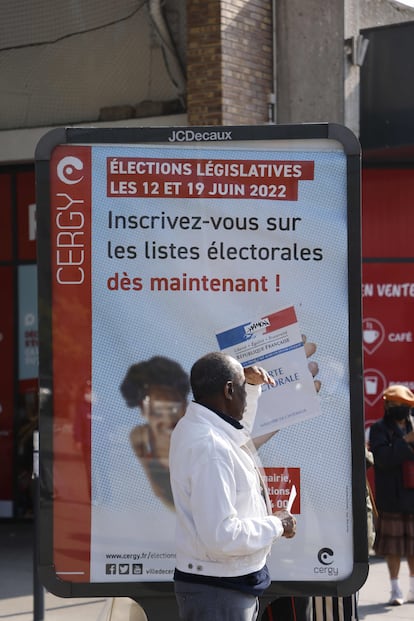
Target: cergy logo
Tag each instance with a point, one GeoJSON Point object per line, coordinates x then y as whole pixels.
{"type": "Point", "coordinates": [325, 556]}
{"type": "Point", "coordinates": [255, 326]}
{"type": "Point", "coordinates": [70, 240]}
{"type": "Point", "coordinates": [189, 135]}
{"type": "Point", "coordinates": [69, 170]}
{"type": "Point", "coordinates": [326, 559]}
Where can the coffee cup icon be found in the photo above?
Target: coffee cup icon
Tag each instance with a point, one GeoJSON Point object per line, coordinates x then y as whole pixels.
{"type": "Point", "coordinates": [370, 335]}
{"type": "Point", "coordinates": [371, 384]}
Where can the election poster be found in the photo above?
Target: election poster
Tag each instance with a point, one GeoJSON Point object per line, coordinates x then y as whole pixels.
{"type": "Point", "coordinates": [157, 247]}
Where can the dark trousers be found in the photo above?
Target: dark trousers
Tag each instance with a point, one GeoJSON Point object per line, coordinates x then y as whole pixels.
{"type": "Point", "coordinates": [204, 602]}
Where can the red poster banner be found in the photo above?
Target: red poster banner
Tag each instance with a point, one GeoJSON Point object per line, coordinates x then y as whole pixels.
{"type": "Point", "coordinates": [71, 333]}
{"type": "Point", "coordinates": [280, 482]}
{"type": "Point", "coordinates": [179, 178]}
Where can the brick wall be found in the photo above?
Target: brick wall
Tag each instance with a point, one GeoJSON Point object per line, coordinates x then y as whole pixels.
{"type": "Point", "coordinates": [229, 61]}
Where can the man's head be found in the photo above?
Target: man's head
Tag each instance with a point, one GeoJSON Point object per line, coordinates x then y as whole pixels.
{"type": "Point", "coordinates": [398, 401]}
{"type": "Point", "coordinates": [218, 382]}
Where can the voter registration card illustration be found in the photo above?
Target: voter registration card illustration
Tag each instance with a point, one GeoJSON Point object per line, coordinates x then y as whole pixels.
{"type": "Point", "coordinates": [275, 343]}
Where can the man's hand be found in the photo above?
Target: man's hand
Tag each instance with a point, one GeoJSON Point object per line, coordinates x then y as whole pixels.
{"type": "Point", "coordinates": [257, 375]}
{"type": "Point", "coordinates": [288, 523]}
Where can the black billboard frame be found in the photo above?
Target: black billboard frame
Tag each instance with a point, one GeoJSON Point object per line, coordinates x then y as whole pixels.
{"type": "Point", "coordinates": [151, 595]}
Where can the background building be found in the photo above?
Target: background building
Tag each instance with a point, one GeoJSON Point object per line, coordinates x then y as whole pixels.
{"type": "Point", "coordinates": [204, 62]}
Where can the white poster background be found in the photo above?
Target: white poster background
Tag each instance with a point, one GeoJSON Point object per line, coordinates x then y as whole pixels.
{"type": "Point", "coordinates": [132, 535]}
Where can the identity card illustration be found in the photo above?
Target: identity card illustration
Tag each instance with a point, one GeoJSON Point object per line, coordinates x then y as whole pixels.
{"type": "Point", "coordinates": [275, 343]}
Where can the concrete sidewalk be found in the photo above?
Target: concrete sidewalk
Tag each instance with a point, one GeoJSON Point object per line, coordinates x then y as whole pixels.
{"type": "Point", "coordinates": [16, 582]}
{"type": "Point", "coordinates": [17, 602]}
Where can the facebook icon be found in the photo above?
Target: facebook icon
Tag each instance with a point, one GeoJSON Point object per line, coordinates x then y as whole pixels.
{"type": "Point", "coordinates": [110, 569]}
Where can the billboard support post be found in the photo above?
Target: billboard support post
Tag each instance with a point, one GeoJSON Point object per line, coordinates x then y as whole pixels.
{"type": "Point", "coordinates": [38, 590]}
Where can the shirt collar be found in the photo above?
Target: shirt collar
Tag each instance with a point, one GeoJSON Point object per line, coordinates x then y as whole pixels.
{"type": "Point", "coordinates": [232, 421]}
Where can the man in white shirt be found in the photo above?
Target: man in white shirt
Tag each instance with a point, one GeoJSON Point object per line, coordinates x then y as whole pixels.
{"type": "Point", "coordinates": [225, 526]}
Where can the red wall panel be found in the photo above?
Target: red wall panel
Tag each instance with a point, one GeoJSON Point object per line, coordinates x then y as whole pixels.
{"type": "Point", "coordinates": [388, 283]}
{"type": "Point", "coordinates": [387, 212]}
{"type": "Point", "coordinates": [5, 218]}
{"type": "Point", "coordinates": [25, 194]}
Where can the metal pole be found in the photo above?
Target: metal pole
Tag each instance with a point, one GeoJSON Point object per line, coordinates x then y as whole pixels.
{"type": "Point", "coordinates": [38, 591]}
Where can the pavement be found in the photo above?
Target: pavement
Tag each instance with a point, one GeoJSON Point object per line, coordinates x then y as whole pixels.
{"type": "Point", "coordinates": [17, 602]}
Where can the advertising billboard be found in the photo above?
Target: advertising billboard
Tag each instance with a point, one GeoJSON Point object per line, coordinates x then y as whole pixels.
{"type": "Point", "coordinates": [157, 246]}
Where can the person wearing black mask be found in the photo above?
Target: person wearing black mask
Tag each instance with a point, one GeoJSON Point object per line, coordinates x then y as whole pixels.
{"type": "Point", "coordinates": [392, 444]}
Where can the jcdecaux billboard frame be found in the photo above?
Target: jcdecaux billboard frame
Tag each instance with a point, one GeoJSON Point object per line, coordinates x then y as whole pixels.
{"type": "Point", "coordinates": [156, 246]}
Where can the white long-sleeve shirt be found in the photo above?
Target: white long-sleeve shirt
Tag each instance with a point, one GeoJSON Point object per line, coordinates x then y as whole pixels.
{"type": "Point", "coordinates": [224, 526]}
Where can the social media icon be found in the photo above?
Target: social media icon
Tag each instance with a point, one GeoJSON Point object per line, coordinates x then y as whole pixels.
{"type": "Point", "coordinates": [137, 568]}
{"type": "Point", "coordinates": [110, 569]}
{"type": "Point", "coordinates": [123, 568]}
